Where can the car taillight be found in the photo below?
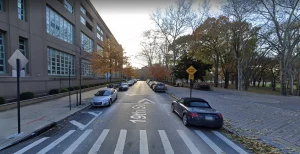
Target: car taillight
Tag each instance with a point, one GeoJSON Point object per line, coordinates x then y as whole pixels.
{"type": "Point", "coordinates": [193, 115]}
{"type": "Point", "coordinates": [220, 116]}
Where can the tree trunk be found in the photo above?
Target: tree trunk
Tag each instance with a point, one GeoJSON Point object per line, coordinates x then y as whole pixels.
{"type": "Point", "coordinates": [291, 81]}
{"type": "Point", "coordinates": [216, 77]}
{"type": "Point", "coordinates": [226, 79]}
{"type": "Point", "coordinates": [283, 76]}
{"type": "Point", "coordinates": [298, 84]}
{"type": "Point", "coordinates": [263, 82]}
{"type": "Point", "coordinates": [274, 84]}
{"type": "Point", "coordinates": [240, 75]}
{"type": "Point", "coordinates": [254, 83]}
{"type": "Point", "coordinates": [236, 82]}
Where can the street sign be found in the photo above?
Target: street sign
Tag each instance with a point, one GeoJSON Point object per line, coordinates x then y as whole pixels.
{"type": "Point", "coordinates": [17, 55]}
{"type": "Point", "coordinates": [191, 76]}
{"type": "Point", "coordinates": [191, 70]}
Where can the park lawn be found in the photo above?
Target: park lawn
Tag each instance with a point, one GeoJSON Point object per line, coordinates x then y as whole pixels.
{"type": "Point", "coordinates": [261, 90]}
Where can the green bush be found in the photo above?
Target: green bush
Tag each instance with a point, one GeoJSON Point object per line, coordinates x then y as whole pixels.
{"type": "Point", "coordinates": [53, 91]}
{"type": "Point", "coordinates": [86, 86]}
{"type": "Point", "coordinates": [71, 88]}
{"type": "Point", "coordinates": [2, 100]}
{"type": "Point", "coordinates": [91, 85]}
{"type": "Point", "coordinates": [26, 95]}
{"type": "Point", "coordinates": [64, 90]}
{"type": "Point", "coordinates": [76, 87]}
{"type": "Point", "coordinates": [82, 87]}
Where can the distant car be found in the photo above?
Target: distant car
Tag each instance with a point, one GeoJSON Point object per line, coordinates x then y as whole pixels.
{"type": "Point", "coordinates": [104, 97]}
{"type": "Point", "coordinates": [153, 84]}
{"type": "Point", "coordinates": [130, 83]}
{"type": "Point", "coordinates": [149, 83]}
{"type": "Point", "coordinates": [197, 111]}
{"type": "Point", "coordinates": [123, 86]}
{"type": "Point", "coordinates": [160, 87]}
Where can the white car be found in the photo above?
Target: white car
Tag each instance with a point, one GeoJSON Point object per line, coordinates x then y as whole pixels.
{"type": "Point", "coordinates": [104, 97]}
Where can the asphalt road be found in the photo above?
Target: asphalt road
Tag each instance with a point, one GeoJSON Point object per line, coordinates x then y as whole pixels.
{"type": "Point", "coordinates": [140, 121]}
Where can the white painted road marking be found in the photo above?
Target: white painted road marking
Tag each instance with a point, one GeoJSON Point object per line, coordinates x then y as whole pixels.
{"type": "Point", "coordinates": [31, 145]}
{"type": "Point", "coordinates": [165, 141]}
{"type": "Point", "coordinates": [75, 144]}
{"type": "Point", "coordinates": [56, 142]}
{"type": "Point", "coordinates": [230, 143]}
{"type": "Point", "coordinates": [99, 142]}
{"type": "Point", "coordinates": [82, 126]}
{"type": "Point", "coordinates": [146, 101]}
{"type": "Point", "coordinates": [121, 142]}
{"type": "Point", "coordinates": [188, 142]}
{"type": "Point", "coordinates": [143, 142]}
{"type": "Point", "coordinates": [209, 142]}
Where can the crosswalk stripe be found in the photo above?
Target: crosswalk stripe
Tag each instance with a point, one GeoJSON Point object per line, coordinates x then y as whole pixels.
{"type": "Point", "coordinates": [209, 142]}
{"type": "Point", "coordinates": [31, 145]}
{"type": "Point", "coordinates": [143, 142]}
{"type": "Point", "coordinates": [121, 142]}
{"type": "Point", "coordinates": [165, 141]}
{"type": "Point", "coordinates": [99, 142]}
{"type": "Point", "coordinates": [188, 142]}
{"type": "Point", "coordinates": [230, 143]}
{"type": "Point", "coordinates": [74, 145]}
{"type": "Point", "coordinates": [56, 142]}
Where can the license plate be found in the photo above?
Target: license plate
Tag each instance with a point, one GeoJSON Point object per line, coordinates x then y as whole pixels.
{"type": "Point", "coordinates": [209, 118]}
{"type": "Point", "coordinates": [160, 87]}
{"type": "Point", "coordinates": [98, 103]}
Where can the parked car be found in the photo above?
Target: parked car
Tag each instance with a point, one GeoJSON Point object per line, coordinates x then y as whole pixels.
{"type": "Point", "coordinates": [160, 87]}
{"type": "Point", "coordinates": [153, 84]}
{"type": "Point", "coordinates": [111, 85]}
{"type": "Point", "coordinates": [130, 83]}
{"type": "Point", "coordinates": [104, 97]}
{"type": "Point", "coordinates": [123, 86]}
{"type": "Point", "coordinates": [197, 111]}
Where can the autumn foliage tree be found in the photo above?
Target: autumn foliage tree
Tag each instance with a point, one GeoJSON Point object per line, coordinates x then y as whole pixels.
{"type": "Point", "coordinates": [129, 71]}
{"type": "Point", "coordinates": [159, 72]}
{"type": "Point", "coordinates": [109, 60]}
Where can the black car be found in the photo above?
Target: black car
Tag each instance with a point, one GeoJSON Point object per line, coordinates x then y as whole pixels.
{"type": "Point", "coordinates": [160, 87]}
{"type": "Point", "coordinates": [197, 111]}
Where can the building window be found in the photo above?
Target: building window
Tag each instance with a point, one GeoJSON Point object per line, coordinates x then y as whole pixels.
{"type": "Point", "coordinates": [21, 9]}
{"type": "Point", "coordinates": [82, 20]}
{"type": "Point", "coordinates": [1, 5]}
{"type": "Point", "coordinates": [68, 6]}
{"type": "Point", "coordinates": [86, 43]}
{"type": "Point", "coordinates": [99, 48]}
{"type": "Point", "coordinates": [86, 69]}
{"type": "Point", "coordinates": [2, 54]}
{"type": "Point", "coordinates": [82, 9]}
{"type": "Point", "coordinates": [98, 36]}
{"type": "Point", "coordinates": [99, 29]}
{"type": "Point", "coordinates": [23, 50]}
{"type": "Point", "coordinates": [59, 63]}
{"type": "Point", "coordinates": [59, 27]}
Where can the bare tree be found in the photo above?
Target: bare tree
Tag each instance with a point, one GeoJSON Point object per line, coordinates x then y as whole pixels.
{"type": "Point", "coordinates": [281, 27]}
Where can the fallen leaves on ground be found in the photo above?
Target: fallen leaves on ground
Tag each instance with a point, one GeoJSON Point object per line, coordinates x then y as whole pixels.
{"type": "Point", "coordinates": [252, 144]}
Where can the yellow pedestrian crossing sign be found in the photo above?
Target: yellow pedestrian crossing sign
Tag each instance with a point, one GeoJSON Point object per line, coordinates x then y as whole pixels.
{"type": "Point", "coordinates": [191, 77]}
{"type": "Point", "coordinates": [191, 70]}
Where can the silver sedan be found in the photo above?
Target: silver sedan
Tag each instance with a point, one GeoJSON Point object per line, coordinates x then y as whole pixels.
{"type": "Point", "coordinates": [104, 97]}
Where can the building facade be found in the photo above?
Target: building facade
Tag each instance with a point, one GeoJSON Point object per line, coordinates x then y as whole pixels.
{"type": "Point", "coordinates": [53, 35]}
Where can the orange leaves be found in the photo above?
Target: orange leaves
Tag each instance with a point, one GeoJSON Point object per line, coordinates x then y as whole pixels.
{"type": "Point", "coordinates": [129, 71]}
{"type": "Point", "coordinates": [109, 60]}
{"type": "Point", "coordinates": [159, 72]}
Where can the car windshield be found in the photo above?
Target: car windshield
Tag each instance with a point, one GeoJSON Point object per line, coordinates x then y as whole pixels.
{"type": "Point", "coordinates": [198, 104]}
{"type": "Point", "coordinates": [103, 93]}
{"type": "Point", "coordinates": [160, 84]}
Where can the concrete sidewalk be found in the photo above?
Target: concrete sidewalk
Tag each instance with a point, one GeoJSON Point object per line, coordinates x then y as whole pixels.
{"type": "Point", "coordinates": [274, 119]}
{"type": "Point", "coordinates": [38, 115]}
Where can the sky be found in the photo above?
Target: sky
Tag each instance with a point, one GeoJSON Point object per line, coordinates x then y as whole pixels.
{"type": "Point", "coordinates": [127, 20]}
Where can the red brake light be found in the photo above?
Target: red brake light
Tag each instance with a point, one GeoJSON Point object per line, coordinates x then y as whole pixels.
{"type": "Point", "coordinates": [220, 116]}
{"type": "Point", "coordinates": [193, 115]}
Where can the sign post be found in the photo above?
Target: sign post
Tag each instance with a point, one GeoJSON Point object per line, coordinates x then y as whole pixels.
{"type": "Point", "coordinates": [191, 71]}
{"type": "Point", "coordinates": [18, 61]}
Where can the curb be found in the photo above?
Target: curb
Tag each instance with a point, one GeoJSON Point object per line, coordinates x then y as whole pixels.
{"type": "Point", "coordinates": [39, 131]}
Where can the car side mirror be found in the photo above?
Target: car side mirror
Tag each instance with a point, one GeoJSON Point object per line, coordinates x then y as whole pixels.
{"type": "Point", "coordinates": [174, 101]}
{"type": "Point", "coordinates": [94, 94]}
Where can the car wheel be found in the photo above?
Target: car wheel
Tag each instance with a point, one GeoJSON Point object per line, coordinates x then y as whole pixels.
{"type": "Point", "coordinates": [185, 120]}
{"type": "Point", "coordinates": [116, 97]}
{"type": "Point", "coordinates": [172, 107]}
{"type": "Point", "coordinates": [109, 104]}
